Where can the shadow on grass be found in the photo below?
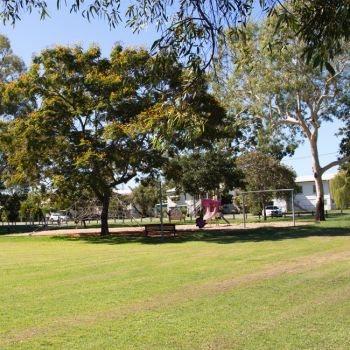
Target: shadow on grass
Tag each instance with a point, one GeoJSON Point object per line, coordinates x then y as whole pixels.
{"type": "Point", "coordinates": [221, 236]}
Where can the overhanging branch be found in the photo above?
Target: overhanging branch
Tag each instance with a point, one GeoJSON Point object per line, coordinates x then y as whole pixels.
{"type": "Point", "coordinates": [335, 163]}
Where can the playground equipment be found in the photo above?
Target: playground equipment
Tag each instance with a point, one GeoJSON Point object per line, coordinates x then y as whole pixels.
{"type": "Point", "coordinates": [212, 211]}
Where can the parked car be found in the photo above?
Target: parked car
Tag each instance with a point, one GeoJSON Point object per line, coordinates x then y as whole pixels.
{"type": "Point", "coordinates": [272, 211]}
{"type": "Point", "coordinates": [58, 217]}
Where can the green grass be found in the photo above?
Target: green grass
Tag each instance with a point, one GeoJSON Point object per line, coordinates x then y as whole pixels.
{"type": "Point", "coordinates": [267, 288]}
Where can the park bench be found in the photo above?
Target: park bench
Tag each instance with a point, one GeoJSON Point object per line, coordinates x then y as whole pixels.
{"type": "Point", "coordinates": [176, 216]}
{"type": "Point", "coordinates": [157, 229]}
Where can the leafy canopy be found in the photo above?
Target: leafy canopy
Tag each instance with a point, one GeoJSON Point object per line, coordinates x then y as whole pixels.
{"type": "Point", "coordinates": [263, 172]}
{"type": "Point", "coordinates": [80, 105]}
{"type": "Point", "coordinates": [145, 196]}
{"type": "Point", "coordinates": [340, 189]}
{"type": "Point", "coordinates": [203, 170]}
{"type": "Point", "coordinates": [92, 123]}
{"type": "Point", "coordinates": [11, 67]}
{"type": "Point", "coordinates": [192, 29]}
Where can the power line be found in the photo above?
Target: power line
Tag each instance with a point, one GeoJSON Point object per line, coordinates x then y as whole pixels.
{"type": "Point", "coordinates": [306, 157]}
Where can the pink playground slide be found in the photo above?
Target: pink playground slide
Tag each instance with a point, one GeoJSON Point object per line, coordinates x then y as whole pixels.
{"type": "Point", "coordinates": [211, 208]}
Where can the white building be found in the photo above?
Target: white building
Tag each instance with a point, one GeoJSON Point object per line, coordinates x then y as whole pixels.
{"type": "Point", "coordinates": [306, 198]}
{"type": "Point", "coordinates": [182, 200]}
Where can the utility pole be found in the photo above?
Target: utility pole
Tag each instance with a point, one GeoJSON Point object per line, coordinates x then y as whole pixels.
{"type": "Point", "coordinates": [161, 205]}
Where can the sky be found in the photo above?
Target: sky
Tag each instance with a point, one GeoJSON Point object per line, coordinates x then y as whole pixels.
{"type": "Point", "coordinates": [31, 35]}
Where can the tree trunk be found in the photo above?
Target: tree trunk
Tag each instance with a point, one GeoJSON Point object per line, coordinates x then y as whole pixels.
{"type": "Point", "coordinates": [104, 215]}
{"type": "Point", "coordinates": [320, 214]}
{"type": "Point", "coordinates": [264, 209]}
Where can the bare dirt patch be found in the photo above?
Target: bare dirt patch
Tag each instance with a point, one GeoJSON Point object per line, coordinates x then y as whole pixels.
{"type": "Point", "coordinates": [139, 230]}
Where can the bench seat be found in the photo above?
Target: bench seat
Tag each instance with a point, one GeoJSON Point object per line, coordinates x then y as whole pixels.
{"type": "Point", "coordinates": [157, 229]}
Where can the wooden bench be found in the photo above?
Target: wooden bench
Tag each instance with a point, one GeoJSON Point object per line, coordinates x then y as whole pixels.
{"type": "Point", "coordinates": [176, 216]}
{"type": "Point", "coordinates": [156, 228]}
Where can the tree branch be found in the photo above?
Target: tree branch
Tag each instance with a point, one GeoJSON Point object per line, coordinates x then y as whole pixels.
{"type": "Point", "coordinates": [335, 163]}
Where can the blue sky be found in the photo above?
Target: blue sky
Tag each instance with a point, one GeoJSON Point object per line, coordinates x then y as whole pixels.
{"type": "Point", "coordinates": [31, 35]}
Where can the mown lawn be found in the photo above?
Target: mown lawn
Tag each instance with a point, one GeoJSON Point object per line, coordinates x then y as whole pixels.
{"type": "Point", "coordinates": [254, 289]}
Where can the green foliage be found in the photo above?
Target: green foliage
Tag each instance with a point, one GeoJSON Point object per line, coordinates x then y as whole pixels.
{"type": "Point", "coordinates": [145, 196]}
{"type": "Point", "coordinates": [340, 189]}
{"type": "Point", "coordinates": [342, 110]}
{"type": "Point", "coordinates": [76, 130]}
{"type": "Point", "coordinates": [11, 66]}
{"type": "Point", "coordinates": [203, 170]}
{"type": "Point", "coordinates": [322, 25]}
{"type": "Point", "coordinates": [75, 136]}
{"type": "Point", "coordinates": [94, 121]}
{"type": "Point", "coordinates": [10, 206]}
{"type": "Point", "coordinates": [192, 29]}
{"type": "Point", "coordinates": [185, 31]}
{"type": "Point", "coordinates": [273, 88]}
{"type": "Point", "coordinates": [33, 207]}
{"type": "Point", "coordinates": [263, 172]}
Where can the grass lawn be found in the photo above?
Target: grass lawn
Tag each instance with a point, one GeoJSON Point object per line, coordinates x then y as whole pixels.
{"type": "Point", "coordinates": [253, 289]}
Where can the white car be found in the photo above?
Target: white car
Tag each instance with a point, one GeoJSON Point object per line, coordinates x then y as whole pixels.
{"type": "Point", "coordinates": [272, 211]}
{"type": "Point", "coordinates": [58, 217]}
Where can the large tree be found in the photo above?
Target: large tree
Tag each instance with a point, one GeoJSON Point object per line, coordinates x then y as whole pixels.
{"type": "Point", "coordinates": [192, 29]}
{"type": "Point", "coordinates": [94, 121]}
{"type": "Point", "coordinates": [145, 196]}
{"type": "Point", "coordinates": [11, 67]}
{"type": "Point", "coordinates": [203, 170]}
{"type": "Point", "coordinates": [278, 87]}
{"type": "Point", "coordinates": [264, 172]}
{"type": "Point", "coordinates": [342, 111]}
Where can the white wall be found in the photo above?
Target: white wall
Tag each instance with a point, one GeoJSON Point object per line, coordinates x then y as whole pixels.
{"type": "Point", "coordinates": [307, 198]}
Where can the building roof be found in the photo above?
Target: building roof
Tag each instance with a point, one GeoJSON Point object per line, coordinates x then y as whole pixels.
{"type": "Point", "coordinates": [310, 178]}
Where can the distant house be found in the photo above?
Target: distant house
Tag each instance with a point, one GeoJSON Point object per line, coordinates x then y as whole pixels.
{"type": "Point", "coordinates": [182, 200]}
{"type": "Point", "coordinates": [306, 198]}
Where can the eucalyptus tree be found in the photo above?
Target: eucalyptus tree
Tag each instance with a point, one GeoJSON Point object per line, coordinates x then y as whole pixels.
{"type": "Point", "coordinates": [276, 86]}
{"type": "Point", "coordinates": [95, 122]}
{"type": "Point", "coordinates": [192, 29]}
